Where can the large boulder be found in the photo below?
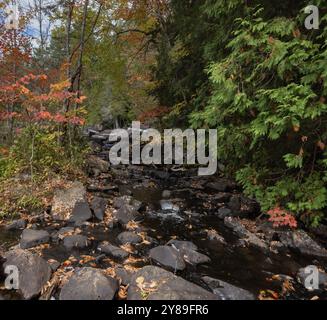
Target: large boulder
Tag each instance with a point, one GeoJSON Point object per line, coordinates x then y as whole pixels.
{"type": "Point", "coordinates": [300, 241]}
{"type": "Point", "coordinates": [64, 200]}
{"type": "Point", "coordinates": [154, 283]}
{"type": "Point", "coordinates": [89, 284]}
{"type": "Point", "coordinates": [168, 257]}
{"type": "Point", "coordinates": [226, 291]}
{"type": "Point", "coordinates": [32, 238]}
{"type": "Point", "coordinates": [34, 272]}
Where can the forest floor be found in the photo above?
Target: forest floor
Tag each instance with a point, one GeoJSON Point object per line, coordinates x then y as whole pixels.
{"type": "Point", "coordinates": [145, 232]}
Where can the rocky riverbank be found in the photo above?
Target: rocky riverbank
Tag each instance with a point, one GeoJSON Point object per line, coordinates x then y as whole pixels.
{"type": "Point", "coordinates": [137, 232]}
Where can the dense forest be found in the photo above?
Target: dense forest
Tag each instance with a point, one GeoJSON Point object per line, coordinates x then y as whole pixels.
{"type": "Point", "coordinates": [252, 70]}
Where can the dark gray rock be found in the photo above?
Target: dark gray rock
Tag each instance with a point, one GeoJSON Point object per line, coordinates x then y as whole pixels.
{"type": "Point", "coordinates": [224, 212]}
{"type": "Point", "coordinates": [126, 214]}
{"type": "Point", "coordinates": [76, 241]}
{"type": "Point", "coordinates": [98, 206]}
{"type": "Point", "coordinates": [188, 245]}
{"type": "Point", "coordinates": [194, 257]}
{"type": "Point", "coordinates": [89, 284]}
{"type": "Point", "coordinates": [168, 257]}
{"type": "Point", "coordinates": [34, 272]}
{"type": "Point", "coordinates": [188, 250]}
{"type": "Point", "coordinates": [59, 235]}
{"type": "Point", "coordinates": [165, 286]}
{"type": "Point", "coordinates": [237, 227]}
{"type": "Point", "coordinates": [81, 212]}
{"type": "Point", "coordinates": [32, 238]}
{"type": "Point", "coordinates": [129, 237]}
{"type": "Point", "coordinates": [300, 241]}
{"type": "Point", "coordinates": [113, 251]}
{"type": "Point", "coordinates": [17, 225]}
{"type": "Point", "coordinates": [123, 275]}
{"type": "Point", "coordinates": [226, 291]}
{"type": "Point", "coordinates": [127, 201]}
{"type": "Point", "coordinates": [248, 237]}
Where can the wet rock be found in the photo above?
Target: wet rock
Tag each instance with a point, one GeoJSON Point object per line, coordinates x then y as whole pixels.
{"type": "Point", "coordinates": [81, 212]}
{"type": "Point", "coordinates": [226, 291]}
{"type": "Point", "coordinates": [64, 200]}
{"type": "Point", "coordinates": [186, 245]}
{"type": "Point", "coordinates": [168, 256]}
{"type": "Point", "coordinates": [168, 205]}
{"type": "Point", "coordinates": [194, 257]}
{"type": "Point", "coordinates": [76, 241]}
{"type": "Point", "coordinates": [188, 250]}
{"type": "Point", "coordinates": [89, 284]}
{"type": "Point", "coordinates": [126, 214]}
{"type": "Point", "coordinates": [123, 275]}
{"type": "Point", "coordinates": [224, 212]}
{"type": "Point", "coordinates": [245, 235]}
{"type": "Point", "coordinates": [59, 235]}
{"type": "Point", "coordinates": [129, 237]}
{"type": "Point", "coordinates": [34, 272]}
{"type": "Point", "coordinates": [164, 285]}
{"type": "Point", "coordinates": [127, 201]}
{"type": "Point", "coordinates": [307, 273]}
{"type": "Point", "coordinates": [98, 206]}
{"type": "Point", "coordinates": [113, 251]}
{"type": "Point", "coordinates": [16, 225]}
{"type": "Point", "coordinates": [237, 227]}
{"type": "Point", "coordinates": [96, 165]}
{"type": "Point", "coordinates": [32, 238]}
{"type": "Point", "coordinates": [300, 241]}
